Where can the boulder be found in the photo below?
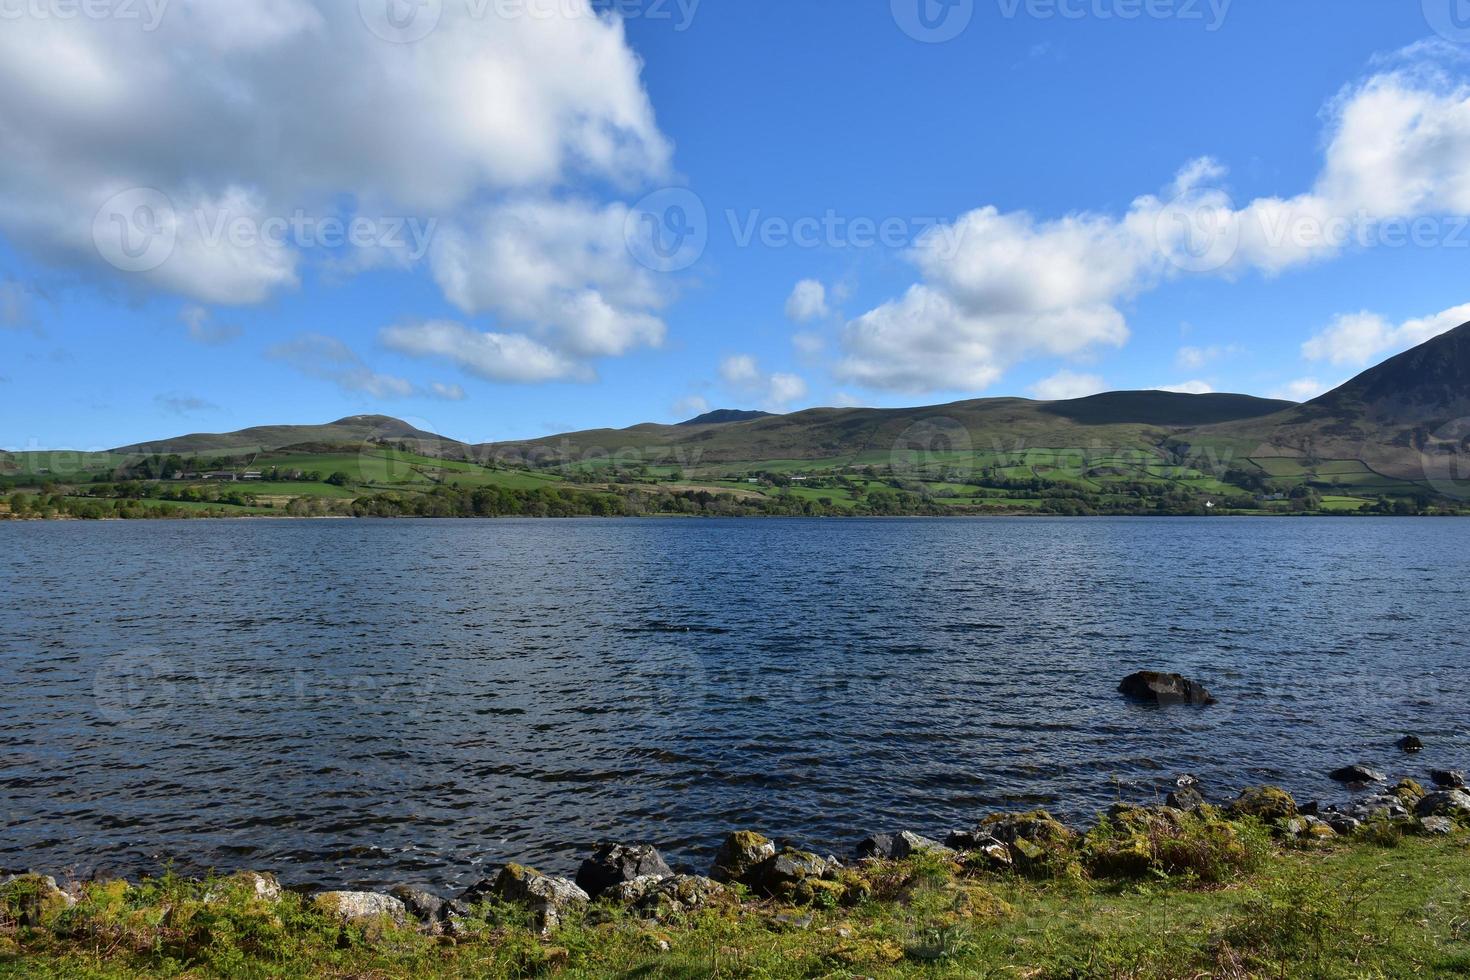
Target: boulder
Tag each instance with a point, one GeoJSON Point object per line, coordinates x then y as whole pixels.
{"type": "Point", "coordinates": [1410, 743]}
{"type": "Point", "coordinates": [613, 864]}
{"type": "Point", "coordinates": [1448, 778]}
{"type": "Point", "coordinates": [1185, 798]}
{"type": "Point", "coordinates": [682, 894]}
{"type": "Point", "coordinates": [1264, 803]}
{"type": "Point", "coordinates": [1437, 825]}
{"type": "Point", "coordinates": [28, 900]}
{"type": "Point", "coordinates": [739, 855]}
{"type": "Point", "coordinates": [1358, 773]}
{"type": "Point", "coordinates": [1031, 841]}
{"type": "Point", "coordinates": [631, 892]}
{"type": "Point", "coordinates": [423, 905]}
{"type": "Point", "coordinates": [779, 876]}
{"type": "Point", "coordinates": [361, 908]}
{"type": "Point", "coordinates": [1158, 688]}
{"type": "Point", "coordinates": [896, 847]}
{"type": "Point", "coordinates": [1453, 803]}
{"type": "Point", "coordinates": [549, 898]}
{"type": "Point", "coordinates": [1408, 791]}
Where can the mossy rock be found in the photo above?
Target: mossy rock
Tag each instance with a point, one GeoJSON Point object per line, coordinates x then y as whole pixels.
{"type": "Point", "coordinates": [1269, 803]}
{"type": "Point", "coordinates": [739, 855]}
{"type": "Point", "coordinates": [860, 952]}
{"type": "Point", "coordinates": [32, 900]}
{"type": "Point", "coordinates": [1409, 792]}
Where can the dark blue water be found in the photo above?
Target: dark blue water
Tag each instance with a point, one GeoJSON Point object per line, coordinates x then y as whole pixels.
{"type": "Point", "coordinates": [366, 702]}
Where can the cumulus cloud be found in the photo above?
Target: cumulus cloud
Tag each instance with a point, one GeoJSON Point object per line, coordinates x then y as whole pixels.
{"type": "Point", "coordinates": [478, 127]}
{"type": "Point", "coordinates": [691, 407]}
{"type": "Point", "coordinates": [775, 392]}
{"type": "Point", "coordinates": [510, 358]}
{"type": "Point", "coordinates": [203, 329]}
{"type": "Point", "coordinates": [1357, 339]}
{"type": "Point", "coordinates": [446, 392]}
{"type": "Point", "coordinates": [1066, 384]}
{"type": "Point", "coordinates": [1193, 358]}
{"type": "Point", "coordinates": [999, 288]}
{"type": "Point", "coordinates": [329, 359]}
{"type": "Point", "coordinates": [1301, 390]}
{"type": "Point", "coordinates": [808, 302]}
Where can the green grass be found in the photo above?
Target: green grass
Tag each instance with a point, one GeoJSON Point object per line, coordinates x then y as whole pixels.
{"type": "Point", "coordinates": [1349, 909]}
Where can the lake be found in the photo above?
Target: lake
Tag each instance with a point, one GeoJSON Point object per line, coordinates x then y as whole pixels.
{"type": "Point", "coordinates": [361, 703]}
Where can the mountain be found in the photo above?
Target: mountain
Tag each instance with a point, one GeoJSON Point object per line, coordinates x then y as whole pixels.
{"type": "Point", "coordinates": [356, 429]}
{"type": "Point", "coordinates": [1399, 418]}
{"type": "Point", "coordinates": [724, 416]}
{"type": "Point", "coordinates": [1141, 419]}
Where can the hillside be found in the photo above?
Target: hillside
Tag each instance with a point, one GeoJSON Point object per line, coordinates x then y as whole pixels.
{"type": "Point", "coordinates": [1404, 418]}
{"type": "Point", "coordinates": [355, 429]}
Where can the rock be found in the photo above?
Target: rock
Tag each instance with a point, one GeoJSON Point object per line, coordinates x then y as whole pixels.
{"type": "Point", "coordinates": [1310, 828]}
{"type": "Point", "coordinates": [613, 864]}
{"type": "Point", "coordinates": [1157, 688]}
{"type": "Point", "coordinates": [896, 847]}
{"type": "Point", "coordinates": [1380, 806]}
{"type": "Point", "coordinates": [423, 905]}
{"type": "Point", "coordinates": [681, 895]}
{"type": "Point", "coordinates": [739, 855]}
{"type": "Point", "coordinates": [1185, 798]}
{"type": "Point", "coordinates": [1454, 803]}
{"type": "Point", "coordinates": [1448, 778]}
{"type": "Point", "coordinates": [1029, 840]}
{"type": "Point", "coordinates": [549, 898]}
{"type": "Point", "coordinates": [1358, 773]}
{"type": "Point", "coordinates": [361, 908]}
{"type": "Point", "coordinates": [630, 892]}
{"type": "Point", "coordinates": [1344, 825]}
{"type": "Point", "coordinates": [30, 899]}
{"type": "Point", "coordinates": [1410, 743]}
{"type": "Point", "coordinates": [1264, 803]}
{"type": "Point", "coordinates": [1187, 781]}
{"type": "Point", "coordinates": [1408, 791]}
{"type": "Point", "coordinates": [1437, 825]}
{"type": "Point", "coordinates": [782, 875]}
{"type": "Point", "coordinates": [262, 887]}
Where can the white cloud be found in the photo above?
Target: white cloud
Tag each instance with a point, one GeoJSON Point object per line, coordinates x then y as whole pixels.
{"type": "Point", "coordinates": [329, 359]}
{"type": "Point", "coordinates": [15, 306]}
{"type": "Point", "coordinates": [250, 111]}
{"type": "Point", "coordinates": [1189, 388]}
{"type": "Point", "coordinates": [446, 392]}
{"type": "Point", "coordinates": [775, 392]}
{"type": "Point", "coordinates": [691, 407]}
{"type": "Point", "coordinates": [1300, 390]}
{"type": "Point", "coordinates": [1359, 338]}
{"type": "Point", "coordinates": [184, 405]}
{"type": "Point", "coordinates": [1000, 288]}
{"type": "Point", "coordinates": [808, 302]}
{"type": "Point", "coordinates": [203, 329]}
{"type": "Point", "coordinates": [1066, 384]}
{"type": "Point", "coordinates": [809, 343]}
{"type": "Point", "coordinates": [510, 358]}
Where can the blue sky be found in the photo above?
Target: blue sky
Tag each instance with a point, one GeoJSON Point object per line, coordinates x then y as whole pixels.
{"type": "Point", "coordinates": [1019, 182]}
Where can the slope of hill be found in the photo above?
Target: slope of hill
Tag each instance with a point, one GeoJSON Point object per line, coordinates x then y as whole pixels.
{"type": "Point", "coordinates": [356, 429]}
{"type": "Point", "coordinates": [1405, 418]}
{"type": "Point", "coordinates": [724, 416]}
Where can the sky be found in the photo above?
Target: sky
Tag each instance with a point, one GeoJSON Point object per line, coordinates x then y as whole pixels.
{"type": "Point", "coordinates": [502, 219]}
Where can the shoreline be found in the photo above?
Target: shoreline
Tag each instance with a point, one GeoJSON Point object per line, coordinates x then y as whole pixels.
{"type": "Point", "coordinates": [899, 904]}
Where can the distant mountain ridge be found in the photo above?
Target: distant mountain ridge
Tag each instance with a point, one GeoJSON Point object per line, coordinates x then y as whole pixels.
{"type": "Point", "coordinates": [724, 416]}
{"type": "Point", "coordinates": [263, 438]}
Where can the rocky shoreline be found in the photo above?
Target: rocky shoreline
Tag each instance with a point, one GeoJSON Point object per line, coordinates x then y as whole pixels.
{"type": "Point", "coordinates": [752, 870]}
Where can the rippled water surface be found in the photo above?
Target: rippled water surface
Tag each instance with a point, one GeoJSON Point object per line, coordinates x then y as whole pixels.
{"type": "Point", "coordinates": [367, 702]}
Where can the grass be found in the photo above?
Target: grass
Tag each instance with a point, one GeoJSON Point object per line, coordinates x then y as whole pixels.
{"type": "Point", "coordinates": [1150, 895]}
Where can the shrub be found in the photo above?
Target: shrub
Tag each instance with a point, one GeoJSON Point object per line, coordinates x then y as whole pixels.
{"type": "Point", "coordinates": [1136, 842]}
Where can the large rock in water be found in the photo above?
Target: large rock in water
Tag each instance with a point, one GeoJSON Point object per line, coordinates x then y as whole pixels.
{"type": "Point", "coordinates": [613, 864]}
{"type": "Point", "coordinates": [549, 898]}
{"type": "Point", "coordinates": [1157, 688]}
{"type": "Point", "coordinates": [1448, 778]}
{"type": "Point", "coordinates": [1358, 773]}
